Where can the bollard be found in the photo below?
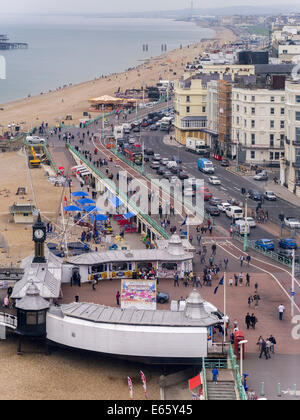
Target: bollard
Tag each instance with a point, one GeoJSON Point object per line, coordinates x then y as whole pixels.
{"type": "Point", "coordinates": [295, 390]}
{"type": "Point", "coordinates": [279, 391]}
{"type": "Point", "coordinates": [262, 392]}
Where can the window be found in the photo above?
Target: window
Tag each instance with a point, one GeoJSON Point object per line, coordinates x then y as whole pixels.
{"type": "Point", "coordinates": [252, 155]}
{"type": "Point", "coordinates": [237, 120]}
{"type": "Point", "coordinates": [281, 124]}
{"type": "Point", "coordinates": [282, 99]}
{"type": "Point", "coordinates": [31, 318]}
{"type": "Point", "coordinates": [271, 155]}
{"type": "Point", "coordinates": [252, 139]}
{"type": "Point", "coordinates": [282, 111]}
{"type": "Point", "coordinates": [188, 99]}
{"type": "Point", "coordinates": [187, 109]}
{"type": "Point", "coordinates": [238, 108]}
{"type": "Point", "coordinates": [297, 116]}
{"type": "Point", "coordinates": [41, 317]}
{"type": "Point", "coordinates": [253, 124]}
{"type": "Point", "coordinates": [252, 111]}
{"type": "Point", "coordinates": [245, 98]}
{"type": "Point", "coordinates": [297, 99]}
{"type": "Point", "coordinates": [271, 140]}
{"type": "Point", "coordinates": [272, 99]}
{"type": "Point", "coordinates": [284, 51]}
{"type": "Point", "coordinates": [203, 109]}
{"type": "Point", "coordinates": [245, 110]}
{"type": "Point", "coordinates": [272, 124]}
{"type": "Point", "coordinates": [276, 155]}
{"type": "Point", "coordinates": [272, 111]}
{"type": "Point", "coordinates": [298, 134]}
{"type": "Point", "coordinates": [253, 98]}
{"type": "Point", "coordinates": [169, 266]}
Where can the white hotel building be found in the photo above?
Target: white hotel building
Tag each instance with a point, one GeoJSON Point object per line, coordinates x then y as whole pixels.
{"type": "Point", "coordinates": [259, 123]}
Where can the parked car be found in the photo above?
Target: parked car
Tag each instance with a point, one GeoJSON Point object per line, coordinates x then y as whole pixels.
{"type": "Point", "coordinates": [292, 222]}
{"type": "Point", "coordinates": [287, 255]}
{"type": "Point", "coordinates": [225, 162]}
{"type": "Point", "coordinates": [262, 176]}
{"type": "Point", "coordinates": [35, 140]}
{"type": "Point", "coordinates": [213, 211]}
{"type": "Point", "coordinates": [207, 195]}
{"type": "Point", "coordinates": [162, 297]}
{"type": "Point", "coordinates": [255, 195]}
{"type": "Point", "coordinates": [265, 244]}
{"type": "Point", "coordinates": [269, 195]}
{"type": "Point", "coordinates": [164, 161]}
{"type": "Point", "coordinates": [214, 201]}
{"type": "Point", "coordinates": [287, 243]}
{"type": "Point", "coordinates": [214, 180]}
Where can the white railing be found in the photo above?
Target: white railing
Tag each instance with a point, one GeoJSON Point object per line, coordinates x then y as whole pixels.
{"type": "Point", "coordinates": [8, 320]}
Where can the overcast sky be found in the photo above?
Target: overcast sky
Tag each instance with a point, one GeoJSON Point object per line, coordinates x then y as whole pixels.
{"type": "Point", "coordinates": [98, 6]}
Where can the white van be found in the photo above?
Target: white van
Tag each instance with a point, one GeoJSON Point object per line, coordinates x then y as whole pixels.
{"type": "Point", "coordinates": [234, 212]}
{"type": "Point", "coordinates": [242, 227]}
{"type": "Point", "coordinates": [35, 140]}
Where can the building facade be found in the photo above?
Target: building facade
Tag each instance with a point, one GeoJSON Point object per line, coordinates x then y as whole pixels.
{"type": "Point", "coordinates": [290, 166]}
{"type": "Point", "coordinates": [259, 123]}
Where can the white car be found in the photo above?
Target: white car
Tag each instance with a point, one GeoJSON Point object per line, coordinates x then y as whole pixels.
{"type": "Point", "coordinates": [164, 161]}
{"type": "Point", "coordinates": [292, 222]}
{"type": "Point", "coordinates": [223, 206]}
{"type": "Point", "coordinates": [269, 195]}
{"type": "Point", "coordinates": [35, 140]}
{"type": "Point", "coordinates": [250, 222]}
{"type": "Point", "coordinates": [214, 180]}
{"type": "Point", "coordinates": [172, 164]}
{"type": "Point", "coordinates": [132, 140]}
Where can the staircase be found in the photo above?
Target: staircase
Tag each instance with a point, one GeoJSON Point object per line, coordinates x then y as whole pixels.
{"type": "Point", "coordinates": [223, 390]}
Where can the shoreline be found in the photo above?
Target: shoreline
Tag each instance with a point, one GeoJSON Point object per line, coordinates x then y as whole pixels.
{"type": "Point", "coordinates": [51, 107]}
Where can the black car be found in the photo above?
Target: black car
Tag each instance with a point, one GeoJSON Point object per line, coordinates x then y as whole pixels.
{"type": "Point", "coordinates": [225, 162]}
{"type": "Point", "coordinates": [213, 211]}
{"type": "Point", "coordinates": [255, 195]}
{"type": "Point", "coordinates": [149, 152]}
{"type": "Point", "coordinates": [161, 171]}
{"type": "Point", "coordinates": [183, 175]}
{"type": "Point", "coordinates": [286, 255]}
{"type": "Point", "coordinates": [175, 170]}
{"type": "Point", "coordinates": [136, 129]}
{"type": "Point", "coordinates": [162, 297]}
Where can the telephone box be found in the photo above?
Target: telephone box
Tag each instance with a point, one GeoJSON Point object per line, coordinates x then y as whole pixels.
{"type": "Point", "coordinates": [239, 336]}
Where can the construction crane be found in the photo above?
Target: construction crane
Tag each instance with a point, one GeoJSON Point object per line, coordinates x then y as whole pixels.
{"type": "Point", "coordinates": [34, 162]}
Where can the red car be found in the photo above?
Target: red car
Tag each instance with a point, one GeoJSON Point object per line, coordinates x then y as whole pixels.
{"type": "Point", "coordinates": [207, 195]}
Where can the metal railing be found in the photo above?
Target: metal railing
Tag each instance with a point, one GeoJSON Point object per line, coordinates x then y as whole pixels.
{"type": "Point", "coordinates": [270, 254]}
{"type": "Point", "coordinates": [145, 218]}
{"type": "Point", "coordinates": [204, 379]}
{"type": "Point", "coordinates": [8, 320]}
{"type": "Point", "coordinates": [211, 363]}
{"type": "Point", "coordinates": [236, 374]}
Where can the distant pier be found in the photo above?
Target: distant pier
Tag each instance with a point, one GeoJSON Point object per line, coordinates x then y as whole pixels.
{"type": "Point", "coordinates": [5, 45]}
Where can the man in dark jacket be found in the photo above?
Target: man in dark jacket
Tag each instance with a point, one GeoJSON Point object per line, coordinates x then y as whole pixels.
{"type": "Point", "coordinates": [263, 349]}
{"type": "Point", "coordinates": [248, 320]}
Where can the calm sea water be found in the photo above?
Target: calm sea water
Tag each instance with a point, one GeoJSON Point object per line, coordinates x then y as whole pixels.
{"type": "Point", "coordinates": [65, 50]}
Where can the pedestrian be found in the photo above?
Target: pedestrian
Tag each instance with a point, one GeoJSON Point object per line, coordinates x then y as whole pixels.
{"type": "Point", "coordinates": [191, 239]}
{"type": "Point", "coordinates": [250, 301]}
{"type": "Point", "coordinates": [118, 298]}
{"type": "Point", "coordinates": [248, 259]}
{"type": "Point", "coordinates": [226, 261]}
{"type": "Point", "coordinates": [268, 348]}
{"type": "Point", "coordinates": [256, 299]}
{"type": "Point", "coordinates": [248, 280]}
{"type": "Point", "coordinates": [256, 287]}
{"type": "Point", "coordinates": [236, 279]}
{"type": "Point", "coordinates": [230, 282]}
{"type": "Point", "coordinates": [253, 321]}
{"type": "Point", "coordinates": [199, 240]}
{"type": "Point", "coordinates": [215, 374]}
{"type": "Point", "coordinates": [263, 349]}
{"type": "Point", "coordinates": [214, 249]}
{"type": "Point", "coordinates": [273, 342]}
{"type": "Point", "coordinates": [248, 320]}
{"type": "Point", "coordinates": [281, 310]}
{"type": "Point", "coordinates": [176, 280]}
{"type": "Point", "coordinates": [241, 278]}
{"type": "Point", "coordinates": [259, 343]}
{"type": "Point", "coordinates": [241, 260]}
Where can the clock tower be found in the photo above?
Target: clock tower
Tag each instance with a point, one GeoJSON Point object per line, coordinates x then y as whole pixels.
{"type": "Point", "coordinates": [39, 238]}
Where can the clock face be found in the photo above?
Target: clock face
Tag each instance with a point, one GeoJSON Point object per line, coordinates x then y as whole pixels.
{"type": "Point", "coordinates": [39, 234]}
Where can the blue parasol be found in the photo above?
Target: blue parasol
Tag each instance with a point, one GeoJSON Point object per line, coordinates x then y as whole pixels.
{"type": "Point", "coordinates": [86, 201]}
{"type": "Point", "coordinates": [72, 208]}
{"type": "Point", "coordinates": [80, 194]}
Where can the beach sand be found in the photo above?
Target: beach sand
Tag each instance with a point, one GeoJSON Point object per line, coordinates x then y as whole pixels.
{"type": "Point", "coordinates": [54, 106]}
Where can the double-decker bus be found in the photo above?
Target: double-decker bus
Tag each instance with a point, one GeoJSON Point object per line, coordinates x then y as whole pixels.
{"type": "Point", "coordinates": [134, 154]}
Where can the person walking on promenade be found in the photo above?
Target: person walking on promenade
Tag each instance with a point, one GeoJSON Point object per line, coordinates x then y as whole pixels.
{"type": "Point", "coordinates": [256, 287]}
{"type": "Point", "coordinates": [118, 298]}
{"type": "Point", "coordinates": [273, 342]}
{"type": "Point", "coordinates": [281, 310]}
{"type": "Point", "coordinates": [241, 278]}
{"type": "Point", "coordinates": [226, 261]}
{"type": "Point", "coordinates": [268, 348]}
{"type": "Point", "coordinates": [259, 343]}
{"type": "Point", "coordinates": [248, 320]}
{"type": "Point", "coordinates": [236, 279]}
{"type": "Point", "coordinates": [256, 298]}
{"type": "Point", "coordinates": [176, 280]}
{"type": "Point", "coordinates": [248, 280]}
{"type": "Point", "coordinates": [214, 249]}
{"type": "Point", "coordinates": [215, 374]}
{"type": "Point", "coordinates": [248, 259]}
{"type": "Point", "coordinates": [230, 282]}
{"type": "Point", "coordinates": [199, 240]}
{"type": "Point", "coordinates": [253, 321]}
{"type": "Point", "coordinates": [250, 301]}
{"type": "Point", "coordinates": [263, 349]}
{"type": "Point", "coordinates": [242, 260]}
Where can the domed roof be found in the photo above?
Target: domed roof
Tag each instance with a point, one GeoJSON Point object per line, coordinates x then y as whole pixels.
{"type": "Point", "coordinates": [175, 246]}
{"type": "Point", "coordinates": [195, 309]}
{"type": "Point", "coordinates": [32, 301]}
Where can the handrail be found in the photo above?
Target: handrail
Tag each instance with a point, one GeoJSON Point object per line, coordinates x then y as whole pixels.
{"type": "Point", "coordinates": [47, 153]}
{"type": "Point", "coordinates": [204, 379]}
{"type": "Point", "coordinates": [237, 377]}
{"type": "Point", "coordinates": [8, 320]}
{"type": "Point", "coordinates": [123, 197]}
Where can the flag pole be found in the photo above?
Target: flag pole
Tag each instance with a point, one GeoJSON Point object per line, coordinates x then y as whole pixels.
{"type": "Point", "coordinates": [225, 317]}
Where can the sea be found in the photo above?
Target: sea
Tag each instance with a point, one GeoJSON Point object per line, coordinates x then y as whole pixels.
{"type": "Point", "coordinates": [74, 49]}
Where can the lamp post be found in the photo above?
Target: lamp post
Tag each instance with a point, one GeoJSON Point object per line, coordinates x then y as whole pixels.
{"type": "Point", "coordinates": [241, 343]}
{"type": "Point", "coordinates": [293, 285]}
{"type": "Point", "coordinates": [246, 223]}
{"type": "Point", "coordinates": [237, 156]}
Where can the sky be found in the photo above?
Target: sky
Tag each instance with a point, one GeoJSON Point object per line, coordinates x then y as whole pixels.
{"type": "Point", "coordinates": [104, 6]}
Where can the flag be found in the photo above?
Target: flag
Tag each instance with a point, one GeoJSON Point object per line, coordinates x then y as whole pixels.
{"type": "Point", "coordinates": [195, 382]}
{"type": "Point", "coordinates": [144, 384]}
{"type": "Point", "coordinates": [185, 220]}
{"type": "Point", "coordinates": [130, 387]}
{"type": "Point", "coordinates": [220, 284]}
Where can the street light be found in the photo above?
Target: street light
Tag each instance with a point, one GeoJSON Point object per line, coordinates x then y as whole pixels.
{"type": "Point", "coordinates": [293, 285]}
{"type": "Point", "coordinates": [241, 343]}
{"type": "Point", "coordinates": [246, 223]}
